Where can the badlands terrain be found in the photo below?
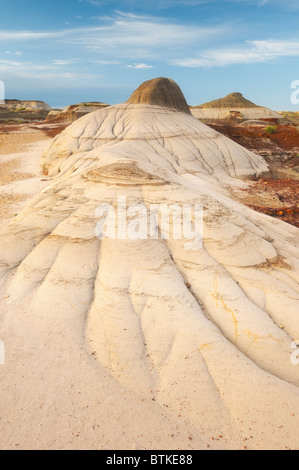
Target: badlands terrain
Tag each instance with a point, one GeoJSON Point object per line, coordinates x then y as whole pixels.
{"type": "Point", "coordinates": [144, 344]}
{"type": "Point", "coordinates": [19, 111]}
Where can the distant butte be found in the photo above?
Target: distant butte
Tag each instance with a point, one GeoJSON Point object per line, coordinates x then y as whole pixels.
{"type": "Point", "coordinates": [234, 100]}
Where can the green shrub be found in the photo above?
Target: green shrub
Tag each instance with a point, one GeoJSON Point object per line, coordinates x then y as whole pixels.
{"type": "Point", "coordinates": [271, 130]}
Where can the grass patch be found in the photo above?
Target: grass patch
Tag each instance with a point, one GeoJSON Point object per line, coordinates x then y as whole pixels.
{"type": "Point", "coordinates": [271, 130]}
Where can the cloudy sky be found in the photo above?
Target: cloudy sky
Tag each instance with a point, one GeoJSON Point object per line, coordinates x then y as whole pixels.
{"type": "Point", "coordinates": [66, 51]}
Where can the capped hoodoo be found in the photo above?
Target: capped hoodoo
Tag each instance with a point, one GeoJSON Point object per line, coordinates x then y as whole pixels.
{"type": "Point", "coordinates": [163, 92]}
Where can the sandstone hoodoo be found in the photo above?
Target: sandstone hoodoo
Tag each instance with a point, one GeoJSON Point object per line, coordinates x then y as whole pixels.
{"type": "Point", "coordinates": [156, 110]}
{"type": "Point", "coordinates": [162, 92]}
{"type": "Point", "coordinates": [201, 340]}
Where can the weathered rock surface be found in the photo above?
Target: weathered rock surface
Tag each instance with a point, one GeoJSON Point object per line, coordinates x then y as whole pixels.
{"type": "Point", "coordinates": [232, 101]}
{"type": "Point", "coordinates": [160, 92]}
{"type": "Point", "coordinates": [207, 334]}
{"type": "Point", "coordinates": [231, 106]}
{"type": "Point", "coordinates": [27, 105]}
{"type": "Point", "coordinates": [17, 110]}
{"type": "Point", "coordinates": [76, 111]}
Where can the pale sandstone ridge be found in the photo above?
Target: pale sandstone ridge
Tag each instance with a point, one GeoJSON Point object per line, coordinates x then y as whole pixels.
{"type": "Point", "coordinates": [162, 92]}
{"type": "Point", "coordinates": [144, 337]}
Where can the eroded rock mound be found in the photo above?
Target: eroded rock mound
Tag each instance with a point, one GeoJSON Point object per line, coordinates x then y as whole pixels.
{"type": "Point", "coordinates": [15, 105]}
{"type": "Point", "coordinates": [233, 100]}
{"type": "Point", "coordinates": [162, 92]}
{"type": "Point", "coordinates": [75, 111]}
{"type": "Point", "coordinates": [233, 106]}
{"type": "Point", "coordinates": [16, 110]}
{"type": "Point", "coordinates": [208, 335]}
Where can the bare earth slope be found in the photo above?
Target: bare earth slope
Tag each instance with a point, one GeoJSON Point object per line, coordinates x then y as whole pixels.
{"type": "Point", "coordinates": [142, 343]}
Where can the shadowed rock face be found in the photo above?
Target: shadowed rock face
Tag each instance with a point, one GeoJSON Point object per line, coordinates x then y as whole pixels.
{"type": "Point", "coordinates": [162, 92]}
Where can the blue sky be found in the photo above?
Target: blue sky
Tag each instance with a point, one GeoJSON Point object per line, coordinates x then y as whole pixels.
{"type": "Point", "coordinates": [66, 51]}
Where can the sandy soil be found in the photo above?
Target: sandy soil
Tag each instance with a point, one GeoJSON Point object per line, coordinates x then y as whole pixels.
{"type": "Point", "coordinates": [20, 173]}
{"type": "Point", "coordinates": [15, 139]}
{"type": "Point", "coordinates": [275, 197]}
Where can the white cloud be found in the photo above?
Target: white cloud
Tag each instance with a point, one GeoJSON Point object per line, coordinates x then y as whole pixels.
{"type": "Point", "coordinates": [106, 62]}
{"type": "Point", "coordinates": [166, 4]}
{"type": "Point", "coordinates": [125, 36]}
{"type": "Point", "coordinates": [11, 70]}
{"type": "Point", "coordinates": [62, 62]}
{"type": "Point", "coordinates": [9, 62]}
{"type": "Point", "coordinates": [16, 53]}
{"type": "Point", "coordinates": [30, 35]}
{"type": "Point", "coordinates": [140, 66]}
{"type": "Point", "coordinates": [249, 53]}
{"type": "Point", "coordinates": [93, 2]}
{"type": "Point", "coordinates": [140, 41]}
{"type": "Point", "coordinates": [135, 38]}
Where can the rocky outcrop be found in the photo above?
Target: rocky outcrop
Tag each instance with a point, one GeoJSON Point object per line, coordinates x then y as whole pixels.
{"type": "Point", "coordinates": [206, 333]}
{"type": "Point", "coordinates": [233, 106]}
{"type": "Point", "coordinates": [16, 105]}
{"type": "Point", "coordinates": [17, 110]}
{"type": "Point", "coordinates": [76, 111]}
{"type": "Point", "coordinates": [162, 92]}
{"type": "Point", "coordinates": [243, 113]}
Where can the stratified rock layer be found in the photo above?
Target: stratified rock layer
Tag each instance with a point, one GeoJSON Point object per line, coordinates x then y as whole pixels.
{"type": "Point", "coordinates": [162, 92]}
{"type": "Point", "coordinates": [207, 334]}
{"type": "Point", "coordinates": [17, 110]}
{"type": "Point", "coordinates": [234, 100]}
{"type": "Point", "coordinates": [76, 111]}
{"type": "Point", "coordinates": [231, 107]}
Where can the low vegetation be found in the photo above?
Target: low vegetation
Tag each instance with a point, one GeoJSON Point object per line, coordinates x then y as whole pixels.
{"type": "Point", "coordinates": [271, 129]}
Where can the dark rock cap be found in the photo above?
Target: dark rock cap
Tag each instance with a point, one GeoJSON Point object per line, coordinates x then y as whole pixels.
{"type": "Point", "coordinates": [162, 92]}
